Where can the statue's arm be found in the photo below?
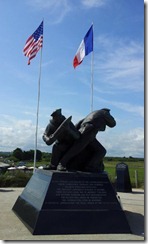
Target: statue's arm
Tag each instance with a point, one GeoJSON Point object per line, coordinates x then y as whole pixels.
{"type": "Point", "coordinates": [49, 139]}
{"type": "Point", "coordinates": [48, 136]}
{"type": "Point", "coordinates": [73, 131]}
{"type": "Point", "coordinates": [78, 125]}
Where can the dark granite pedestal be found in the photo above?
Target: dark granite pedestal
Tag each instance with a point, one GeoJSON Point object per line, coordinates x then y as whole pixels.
{"type": "Point", "coordinates": [55, 203]}
{"type": "Point", "coordinates": [123, 183]}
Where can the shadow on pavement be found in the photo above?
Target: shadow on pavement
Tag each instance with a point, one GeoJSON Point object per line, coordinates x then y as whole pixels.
{"type": "Point", "coordinates": [138, 192]}
{"type": "Point", "coordinates": [136, 222]}
{"type": "Point", "coordinates": [3, 190]}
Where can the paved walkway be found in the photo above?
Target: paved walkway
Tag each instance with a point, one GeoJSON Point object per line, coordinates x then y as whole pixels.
{"type": "Point", "coordinates": [11, 228]}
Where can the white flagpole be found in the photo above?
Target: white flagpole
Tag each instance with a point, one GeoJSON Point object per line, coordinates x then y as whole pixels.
{"type": "Point", "coordinates": [37, 113]}
{"type": "Point", "coordinates": [92, 76]}
{"type": "Point", "coordinates": [92, 80]}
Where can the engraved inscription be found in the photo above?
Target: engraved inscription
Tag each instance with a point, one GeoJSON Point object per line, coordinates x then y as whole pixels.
{"type": "Point", "coordinates": [79, 192]}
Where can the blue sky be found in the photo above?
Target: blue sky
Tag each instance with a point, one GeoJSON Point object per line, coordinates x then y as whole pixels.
{"type": "Point", "coordinates": [118, 70]}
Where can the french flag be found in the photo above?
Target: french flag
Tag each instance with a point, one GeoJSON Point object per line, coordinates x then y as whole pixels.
{"type": "Point", "coordinates": [86, 46]}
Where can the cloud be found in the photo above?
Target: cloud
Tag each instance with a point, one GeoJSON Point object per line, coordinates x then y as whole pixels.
{"type": "Point", "coordinates": [93, 3]}
{"type": "Point", "coordinates": [121, 63]}
{"type": "Point", "coordinates": [21, 133]}
{"type": "Point", "coordinates": [16, 133]}
{"type": "Point", "coordinates": [135, 109]}
{"type": "Point", "coordinates": [128, 107]}
{"type": "Point", "coordinates": [126, 144]}
{"type": "Point", "coordinates": [57, 10]}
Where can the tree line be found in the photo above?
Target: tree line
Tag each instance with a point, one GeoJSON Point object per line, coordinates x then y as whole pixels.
{"type": "Point", "coordinates": [19, 154]}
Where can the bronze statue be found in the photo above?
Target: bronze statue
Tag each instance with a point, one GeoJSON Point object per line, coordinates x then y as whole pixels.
{"type": "Point", "coordinates": [76, 147]}
{"type": "Point", "coordinates": [63, 137]}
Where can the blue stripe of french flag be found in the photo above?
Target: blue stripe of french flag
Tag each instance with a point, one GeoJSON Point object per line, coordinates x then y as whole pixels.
{"type": "Point", "coordinates": [86, 46]}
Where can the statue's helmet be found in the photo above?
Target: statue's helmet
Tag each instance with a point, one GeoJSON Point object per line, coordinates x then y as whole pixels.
{"type": "Point", "coordinates": [56, 112]}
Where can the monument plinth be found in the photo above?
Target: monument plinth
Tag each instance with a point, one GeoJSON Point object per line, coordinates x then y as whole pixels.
{"type": "Point", "coordinates": [123, 183]}
{"type": "Point", "coordinates": [70, 203]}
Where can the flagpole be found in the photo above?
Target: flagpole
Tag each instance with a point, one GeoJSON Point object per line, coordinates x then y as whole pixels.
{"type": "Point", "coordinates": [92, 77]}
{"type": "Point", "coordinates": [37, 113]}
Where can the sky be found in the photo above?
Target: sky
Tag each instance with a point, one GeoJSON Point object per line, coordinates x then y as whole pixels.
{"type": "Point", "coordinates": [118, 70]}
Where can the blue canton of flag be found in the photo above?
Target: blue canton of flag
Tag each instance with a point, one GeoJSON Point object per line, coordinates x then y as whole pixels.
{"type": "Point", "coordinates": [34, 43]}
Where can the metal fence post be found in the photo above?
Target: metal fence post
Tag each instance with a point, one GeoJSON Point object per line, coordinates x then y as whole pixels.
{"type": "Point", "coordinates": [136, 178]}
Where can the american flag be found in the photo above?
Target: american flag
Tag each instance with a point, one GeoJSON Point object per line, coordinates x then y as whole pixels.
{"type": "Point", "coordinates": [34, 43]}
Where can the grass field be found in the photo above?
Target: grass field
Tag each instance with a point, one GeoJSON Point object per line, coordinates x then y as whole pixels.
{"type": "Point", "coordinates": [135, 166]}
{"type": "Point", "coordinates": [136, 171]}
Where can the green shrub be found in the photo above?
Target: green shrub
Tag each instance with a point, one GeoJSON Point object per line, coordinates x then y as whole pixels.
{"type": "Point", "coordinates": [15, 178]}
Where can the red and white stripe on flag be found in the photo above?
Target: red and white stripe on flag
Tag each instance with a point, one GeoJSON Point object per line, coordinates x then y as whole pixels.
{"type": "Point", "coordinates": [34, 43]}
{"type": "Point", "coordinates": [86, 46]}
